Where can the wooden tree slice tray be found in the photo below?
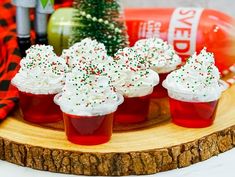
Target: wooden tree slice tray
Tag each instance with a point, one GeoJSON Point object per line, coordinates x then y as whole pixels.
{"type": "Point", "coordinates": [145, 151]}
{"type": "Point", "coordinates": [158, 112]}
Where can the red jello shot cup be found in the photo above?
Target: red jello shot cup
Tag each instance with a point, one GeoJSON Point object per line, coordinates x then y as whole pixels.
{"type": "Point", "coordinates": [133, 110]}
{"type": "Point", "coordinates": [89, 130]}
{"type": "Point", "coordinates": [159, 91]}
{"type": "Point", "coordinates": [39, 108]}
{"type": "Point", "coordinates": [192, 114]}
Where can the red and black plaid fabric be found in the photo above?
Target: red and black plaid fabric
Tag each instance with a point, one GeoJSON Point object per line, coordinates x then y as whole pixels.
{"type": "Point", "coordinates": [7, 16]}
{"type": "Point", "coordinates": [9, 56]}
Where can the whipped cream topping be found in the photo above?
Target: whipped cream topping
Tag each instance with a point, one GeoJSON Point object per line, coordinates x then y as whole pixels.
{"type": "Point", "coordinates": [88, 55]}
{"type": "Point", "coordinates": [161, 55]}
{"type": "Point", "coordinates": [197, 81]}
{"type": "Point", "coordinates": [41, 71]}
{"type": "Point", "coordinates": [88, 95]}
{"type": "Point", "coordinates": [131, 75]}
{"type": "Point", "coordinates": [129, 72]}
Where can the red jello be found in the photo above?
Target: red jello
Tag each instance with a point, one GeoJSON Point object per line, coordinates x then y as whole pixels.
{"type": "Point", "coordinates": [133, 110]}
{"type": "Point", "coordinates": [39, 108]}
{"type": "Point", "coordinates": [88, 130]}
{"type": "Point", "coordinates": [159, 91]}
{"type": "Point", "coordinates": [193, 115]}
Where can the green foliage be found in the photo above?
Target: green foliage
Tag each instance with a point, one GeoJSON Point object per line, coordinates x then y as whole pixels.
{"type": "Point", "coordinates": [100, 20]}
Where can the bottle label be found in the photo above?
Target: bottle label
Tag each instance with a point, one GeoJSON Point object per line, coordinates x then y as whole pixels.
{"type": "Point", "coordinates": [149, 29]}
{"type": "Point", "coordinates": [182, 34]}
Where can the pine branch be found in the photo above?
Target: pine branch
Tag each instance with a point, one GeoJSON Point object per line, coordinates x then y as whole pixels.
{"type": "Point", "coordinates": [100, 20]}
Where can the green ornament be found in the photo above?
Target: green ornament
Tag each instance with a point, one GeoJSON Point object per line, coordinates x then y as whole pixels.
{"type": "Point", "coordinates": [60, 28]}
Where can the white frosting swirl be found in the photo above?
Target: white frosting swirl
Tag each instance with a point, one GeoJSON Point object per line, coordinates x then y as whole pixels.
{"type": "Point", "coordinates": [131, 75]}
{"type": "Point", "coordinates": [41, 71]}
{"type": "Point", "coordinates": [196, 81]}
{"type": "Point", "coordinates": [88, 95]}
{"type": "Point", "coordinates": [161, 56]}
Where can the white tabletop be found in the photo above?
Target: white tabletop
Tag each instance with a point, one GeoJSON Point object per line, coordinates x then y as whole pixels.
{"type": "Point", "coordinates": [222, 165]}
